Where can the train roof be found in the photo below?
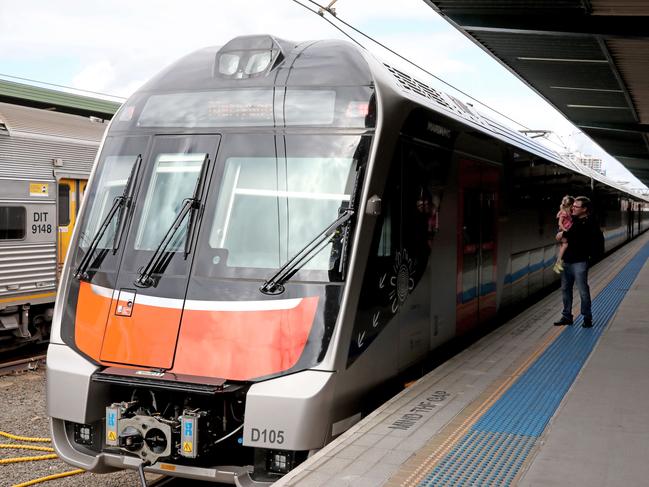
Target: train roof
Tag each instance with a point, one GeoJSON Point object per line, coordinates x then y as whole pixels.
{"type": "Point", "coordinates": [54, 100]}
{"type": "Point", "coordinates": [309, 63]}
{"type": "Point", "coordinates": [450, 106]}
{"type": "Point", "coordinates": [22, 121]}
{"type": "Point", "coordinates": [335, 63]}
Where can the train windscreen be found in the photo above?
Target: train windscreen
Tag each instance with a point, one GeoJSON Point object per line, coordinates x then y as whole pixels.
{"type": "Point", "coordinates": [269, 207]}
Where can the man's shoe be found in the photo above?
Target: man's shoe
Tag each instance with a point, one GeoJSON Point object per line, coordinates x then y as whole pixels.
{"type": "Point", "coordinates": [563, 322]}
{"type": "Point", "coordinates": [588, 323]}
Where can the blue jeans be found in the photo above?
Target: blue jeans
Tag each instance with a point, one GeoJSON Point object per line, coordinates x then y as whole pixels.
{"type": "Point", "coordinates": [576, 272]}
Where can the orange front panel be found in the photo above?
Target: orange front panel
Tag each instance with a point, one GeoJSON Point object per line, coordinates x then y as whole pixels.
{"type": "Point", "coordinates": [241, 345]}
{"type": "Point", "coordinates": [146, 338]}
{"type": "Point", "coordinates": [90, 322]}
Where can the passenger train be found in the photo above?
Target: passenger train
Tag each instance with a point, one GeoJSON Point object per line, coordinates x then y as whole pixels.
{"type": "Point", "coordinates": [274, 229]}
{"type": "Point", "coordinates": [45, 161]}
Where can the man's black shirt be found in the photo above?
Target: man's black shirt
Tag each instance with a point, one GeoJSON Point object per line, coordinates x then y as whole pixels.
{"type": "Point", "coordinates": [579, 239]}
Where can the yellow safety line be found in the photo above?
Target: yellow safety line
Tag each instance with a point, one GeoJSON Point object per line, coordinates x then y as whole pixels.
{"type": "Point", "coordinates": [29, 296]}
{"type": "Point", "coordinates": [429, 462]}
{"type": "Point", "coordinates": [448, 444]}
{"type": "Point", "coordinates": [50, 477]}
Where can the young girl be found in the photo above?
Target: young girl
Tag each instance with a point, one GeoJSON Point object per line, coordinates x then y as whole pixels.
{"type": "Point", "coordinates": [564, 218]}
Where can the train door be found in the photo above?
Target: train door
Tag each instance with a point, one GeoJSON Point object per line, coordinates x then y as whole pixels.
{"type": "Point", "coordinates": [423, 176]}
{"type": "Point", "coordinates": [67, 213]}
{"type": "Point", "coordinates": [477, 245]}
{"type": "Point", "coordinates": [397, 285]}
{"type": "Point", "coordinates": [146, 307]}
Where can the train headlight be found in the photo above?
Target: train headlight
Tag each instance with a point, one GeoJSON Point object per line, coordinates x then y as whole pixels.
{"type": "Point", "coordinates": [248, 57]}
{"type": "Point", "coordinates": [83, 434]}
{"type": "Point", "coordinates": [280, 461]}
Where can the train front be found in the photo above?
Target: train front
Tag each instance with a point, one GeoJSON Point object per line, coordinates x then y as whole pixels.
{"type": "Point", "coordinates": [209, 264]}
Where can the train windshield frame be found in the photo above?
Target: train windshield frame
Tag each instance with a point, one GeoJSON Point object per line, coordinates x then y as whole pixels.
{"type": "Point", "coordinates": [273, 197]}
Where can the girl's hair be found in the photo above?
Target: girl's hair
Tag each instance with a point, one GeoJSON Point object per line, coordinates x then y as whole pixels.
{"type": "Point", "coordinates": [567, 202]}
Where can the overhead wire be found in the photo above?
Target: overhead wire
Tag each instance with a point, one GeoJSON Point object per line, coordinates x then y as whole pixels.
{"type": "Point", "coordinates": [403, 58]}
{"type": "Point", "coordinates": [323, 9]}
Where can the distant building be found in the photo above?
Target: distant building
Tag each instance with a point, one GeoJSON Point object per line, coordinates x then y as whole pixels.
{"type": "Point", "coordinates": [594, 163]}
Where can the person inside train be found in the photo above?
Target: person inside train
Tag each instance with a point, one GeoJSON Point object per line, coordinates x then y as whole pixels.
{"type": "Point", "coordinates": [564, 219]}
{"type": "Point", "coordinates": [575, 261]}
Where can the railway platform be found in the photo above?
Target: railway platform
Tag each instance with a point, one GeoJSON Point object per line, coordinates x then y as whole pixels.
{"type": "Point", "coordinates": [531, 404]}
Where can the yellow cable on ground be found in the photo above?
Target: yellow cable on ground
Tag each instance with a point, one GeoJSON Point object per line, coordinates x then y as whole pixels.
{"type": "Point", "coordinates": [25, 447]}
{"type": "Point", "coordinates": [51, 456]}
{"type": "Point", "coordinates": [49, 477]}
{"type": "Point", "coordinates": [24, 438]}
{"type": "Point", "coordinates": [5, 461]}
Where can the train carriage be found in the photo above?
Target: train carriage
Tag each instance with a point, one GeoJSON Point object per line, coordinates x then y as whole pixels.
{"type": "Point", "coordinates": [273, 229]}
{"type": "Point", "coordinates": [45, 161]}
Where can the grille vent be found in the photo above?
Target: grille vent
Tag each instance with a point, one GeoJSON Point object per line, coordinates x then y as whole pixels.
{"type": "Point", "coordinates": [413, 85]}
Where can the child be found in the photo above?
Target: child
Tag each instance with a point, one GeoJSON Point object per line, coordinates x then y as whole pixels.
{"type": "Point", "coordinates": [564, 218]}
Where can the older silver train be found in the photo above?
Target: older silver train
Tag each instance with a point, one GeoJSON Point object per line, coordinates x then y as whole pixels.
{"type": "Point", "coordinates": [273, 230]}
{"type": "Point", "coordinates": [45, 161]}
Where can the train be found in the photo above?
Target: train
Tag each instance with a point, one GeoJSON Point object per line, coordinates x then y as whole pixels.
{"type": "Point", "coordinates": [272, 231]}
{"type": "Point", "coordinates": [45, 162]}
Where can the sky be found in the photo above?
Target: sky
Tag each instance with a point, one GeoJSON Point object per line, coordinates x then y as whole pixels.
{"type": "Point", "coordinates": [114, 47]}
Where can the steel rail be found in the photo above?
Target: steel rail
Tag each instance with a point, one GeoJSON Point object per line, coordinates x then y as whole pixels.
{"type": "Point", "coordinates": [22, 365]}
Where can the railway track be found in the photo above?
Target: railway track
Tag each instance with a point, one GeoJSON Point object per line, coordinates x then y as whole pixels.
{"type": "Point", "coordinates": [17, 366]}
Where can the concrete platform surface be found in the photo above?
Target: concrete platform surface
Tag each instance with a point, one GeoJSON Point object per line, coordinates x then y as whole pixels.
{"type": "Point", "coordinates": [530, 404]}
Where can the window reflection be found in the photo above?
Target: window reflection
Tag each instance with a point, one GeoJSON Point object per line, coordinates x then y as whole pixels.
{"type": "Point", "coordinates": [269, 208]}
{"type": "Point", "coordinates": [263, 218]}
{"type": "Point", "coordinates": [112, 181]}
{"type": "Point", "coordinates": [173, 180]}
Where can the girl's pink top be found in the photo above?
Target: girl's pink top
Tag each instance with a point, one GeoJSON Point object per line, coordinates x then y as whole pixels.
{"type": "Point", "coordinates": [565, 220]}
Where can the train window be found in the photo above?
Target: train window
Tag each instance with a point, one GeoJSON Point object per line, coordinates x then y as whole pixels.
{"type": "Point", "coordinates": [287, 215]}
{"type": "Point", "coordinates": [64, 205]}
{"type": "Point", "coordinates": [338, 107]}
{"type": "Point", "coordinates": [12, 222]}
{"type": "Point", "coordinates": [173, 180]}
{"type": "Point", "coordinates": [269, 208]}
{"type": "Point", "coordinates": [309, 107]}
{"type": "Point", "coordinates": [111, 185]}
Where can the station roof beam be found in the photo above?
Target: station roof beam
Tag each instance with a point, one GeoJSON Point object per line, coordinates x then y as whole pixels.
{"type": "Point", "coordinates": [587, 58]}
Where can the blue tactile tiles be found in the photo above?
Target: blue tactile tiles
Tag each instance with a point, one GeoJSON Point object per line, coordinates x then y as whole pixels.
{"type": "Point", "coordinates": [492, 452]}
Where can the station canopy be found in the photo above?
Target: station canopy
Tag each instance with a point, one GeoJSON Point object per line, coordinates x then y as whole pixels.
{"type": "Point", "coordinates": [27, 95]}
{"type": "Point", "coordinates": [588, 58]}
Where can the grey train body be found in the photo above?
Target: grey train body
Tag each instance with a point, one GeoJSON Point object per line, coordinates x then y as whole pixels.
{"type": "Point", "coordinates": [38, 149]}
{"type": "Point", "coordinates": [453, 224]}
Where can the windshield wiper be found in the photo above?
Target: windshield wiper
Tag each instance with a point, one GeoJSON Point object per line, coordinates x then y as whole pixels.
{"type": "Point", "coordinates": [161, 254]}
{"type": "Point", "coordinates": [127, 196]}
{"type": "Point", "coordinates": [275, 283]}
{"type": "Point", "coordinates": [120, 202]}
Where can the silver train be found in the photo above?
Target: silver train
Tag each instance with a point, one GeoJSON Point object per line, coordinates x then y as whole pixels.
{"type": "Point", "coordinates": [272, 231]}
{"type": "Point", "coordinates": [45, 161]}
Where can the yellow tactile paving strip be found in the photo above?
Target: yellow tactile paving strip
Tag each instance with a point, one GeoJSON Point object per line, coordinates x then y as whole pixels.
{"type": "Point", "coordinates": [422, 462]}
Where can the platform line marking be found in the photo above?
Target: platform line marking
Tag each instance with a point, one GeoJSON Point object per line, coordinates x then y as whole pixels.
{"type": "Point", "coordinates": [466, 425]}
{"type": "Point", "coordinates": [497, 424]}
{"type": "Point", "coordinates": [433, 459]}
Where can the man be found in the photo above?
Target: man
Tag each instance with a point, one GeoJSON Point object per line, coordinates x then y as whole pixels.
{"type": "Point", "coordinates": [575, 261]}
